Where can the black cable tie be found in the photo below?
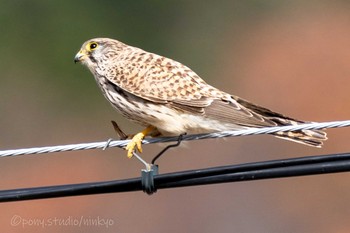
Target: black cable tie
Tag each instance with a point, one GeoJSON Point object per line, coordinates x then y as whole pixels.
{"type": "Point", "coordinates": [147, 179]}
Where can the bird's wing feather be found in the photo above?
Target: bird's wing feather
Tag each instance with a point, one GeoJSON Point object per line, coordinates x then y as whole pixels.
{"type": "Point", "coordinates": [158, 79]}
{"type": "Point", "coordinates": [165, 81]}
{"type": "Point", "coordinates": [233, 113]}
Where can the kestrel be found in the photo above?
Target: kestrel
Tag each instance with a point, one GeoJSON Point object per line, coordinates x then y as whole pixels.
{"type": "Point", "coordinates": [170, 99]}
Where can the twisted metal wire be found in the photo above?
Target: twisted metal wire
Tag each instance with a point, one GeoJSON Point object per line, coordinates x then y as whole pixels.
{"type": "Point", "coordinates": [123, 143]}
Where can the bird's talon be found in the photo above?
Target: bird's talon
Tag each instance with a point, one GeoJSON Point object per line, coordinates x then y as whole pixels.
{"type": "Point", "coordinates": [135, 143]}
{"type": "Point", "coordinates": [139, 147]}
{"type": "Point", "coordinates": [130, 153]}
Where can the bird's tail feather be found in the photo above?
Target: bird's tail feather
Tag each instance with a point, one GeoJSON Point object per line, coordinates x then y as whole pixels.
{"type": "Point", "coordinates": [313, 138]}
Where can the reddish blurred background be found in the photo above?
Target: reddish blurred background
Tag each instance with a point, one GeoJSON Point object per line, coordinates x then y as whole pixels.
{"type": "Point", "coordinates": [290, 56]}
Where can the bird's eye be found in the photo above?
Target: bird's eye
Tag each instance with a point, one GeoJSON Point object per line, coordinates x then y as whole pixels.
{"type": "Point", "coordinates": [93, 45]}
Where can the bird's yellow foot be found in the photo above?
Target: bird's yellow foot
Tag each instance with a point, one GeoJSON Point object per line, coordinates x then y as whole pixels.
{"type": "Point", "coordinates": [136, 141]}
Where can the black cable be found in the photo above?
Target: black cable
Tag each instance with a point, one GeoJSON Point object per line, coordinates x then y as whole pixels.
{"type": "Point", "coordinates": [310, 165]}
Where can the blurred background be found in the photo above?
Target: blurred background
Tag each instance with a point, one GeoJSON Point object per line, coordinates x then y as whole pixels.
{"type": "Point", "coordinates": [290, 56]}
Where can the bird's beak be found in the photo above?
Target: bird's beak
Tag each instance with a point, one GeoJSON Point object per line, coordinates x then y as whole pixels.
{"type": "Point", "coordinates": [79, 56]}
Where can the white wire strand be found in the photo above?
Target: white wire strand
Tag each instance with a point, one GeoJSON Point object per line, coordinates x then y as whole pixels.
{"type": "Point", "coordinates": [122, 143]}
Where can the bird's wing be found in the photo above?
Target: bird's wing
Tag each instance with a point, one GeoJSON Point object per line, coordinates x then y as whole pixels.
{"type": "Point", "coordinates": [157, 79]}
{"type": "Point", "coordinates": [165, 81]}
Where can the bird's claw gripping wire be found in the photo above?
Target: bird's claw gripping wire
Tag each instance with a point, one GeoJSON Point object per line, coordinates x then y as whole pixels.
{"type": "Point", "coordinates": [136, 141]}
{"type": "Point", "coordinates": [147, 174]}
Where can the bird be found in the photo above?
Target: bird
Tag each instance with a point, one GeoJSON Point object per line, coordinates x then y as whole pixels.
{"type": "Point", "coordinates": [170, 99]}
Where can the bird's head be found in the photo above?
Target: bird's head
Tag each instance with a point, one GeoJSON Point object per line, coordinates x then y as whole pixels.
{"type": "Point", "coordinates": [97, 50]}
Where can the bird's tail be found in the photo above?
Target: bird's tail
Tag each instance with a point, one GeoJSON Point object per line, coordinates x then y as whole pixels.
{"type": "Point", "coordinates": [307, 137]}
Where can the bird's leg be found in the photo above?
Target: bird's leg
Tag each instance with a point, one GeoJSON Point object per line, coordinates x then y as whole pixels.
{"type": "Point", "coordinates": [136, 141]}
